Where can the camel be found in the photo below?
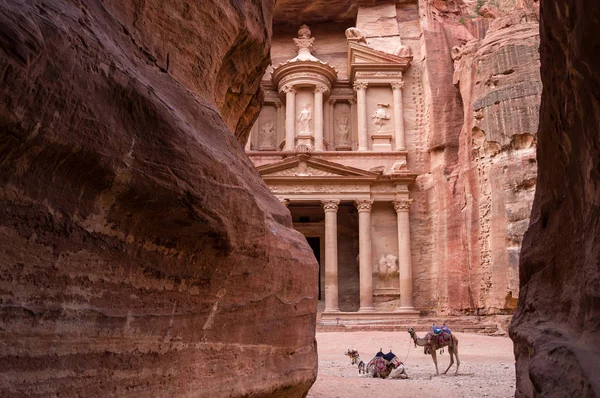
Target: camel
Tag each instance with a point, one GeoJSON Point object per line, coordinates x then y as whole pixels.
{"type": "Point", "coordinates": [378, 367]}
{"type": "Point", "coordinates": [355, 359]}
{"type": "Point", "coordinates": [432, 343]}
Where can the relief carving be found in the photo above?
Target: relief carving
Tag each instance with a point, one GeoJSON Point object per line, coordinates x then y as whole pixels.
{"type": "Point", "coordinates": [304, 119]}
{"type": "Point", "coordinates": [355, 34]}
{"type": "Point", "coordinates": [380, 116]}
{"type": "Point", "coordinates": [388, 266]}
{"type": "Point", "coordinates": [343, 131]}
{"type": "Point", "coordinates": [267, 135]}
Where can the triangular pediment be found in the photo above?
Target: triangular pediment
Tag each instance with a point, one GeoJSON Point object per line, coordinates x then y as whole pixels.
{"type": "Point", "coordinates": [306, 166]}
{"type": "Point", "coordinates": [361, 56]}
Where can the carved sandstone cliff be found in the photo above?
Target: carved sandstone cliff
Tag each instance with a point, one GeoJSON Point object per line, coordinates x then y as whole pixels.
{"type": "Point", "coordinates": [481, 157]}
{"type": "Point", "coordinates": [556, 327]}
{"type": "Point", "coordinates": [140, 253]}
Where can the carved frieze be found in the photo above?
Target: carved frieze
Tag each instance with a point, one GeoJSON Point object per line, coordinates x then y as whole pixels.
{"type": "Point", "coordinates": [317, 188]}
{"type": "Point", "coordinates": [379, 74]}
{"type": "Point", "coordinates": [298, 171]}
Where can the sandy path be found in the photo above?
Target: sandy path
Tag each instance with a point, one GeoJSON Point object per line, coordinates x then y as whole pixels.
{"type": "Point", "coordinates": [486, 370]}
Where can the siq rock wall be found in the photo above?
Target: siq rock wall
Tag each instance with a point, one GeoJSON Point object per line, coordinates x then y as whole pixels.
{"type": "Point", "coordinates": [556, 327]}
{"type": "Point", "coordinates": [482, 90]}
{"type": "Point", "coordinates": [140, 253]}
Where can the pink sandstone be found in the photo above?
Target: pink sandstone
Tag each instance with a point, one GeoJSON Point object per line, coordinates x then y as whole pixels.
{"type": "Point", "coordinates": [140, 253]}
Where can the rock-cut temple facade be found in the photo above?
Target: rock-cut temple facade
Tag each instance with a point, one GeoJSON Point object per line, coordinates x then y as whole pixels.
{"type": "Point", "coordinates": [344, 141]}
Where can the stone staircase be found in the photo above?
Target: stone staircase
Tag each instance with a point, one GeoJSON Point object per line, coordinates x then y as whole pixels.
{"type": "Point", "coordinates": [492, 325]}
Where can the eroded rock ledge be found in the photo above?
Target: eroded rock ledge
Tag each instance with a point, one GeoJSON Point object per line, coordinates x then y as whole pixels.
{"type": "Point", "coordinates": [140, 253]}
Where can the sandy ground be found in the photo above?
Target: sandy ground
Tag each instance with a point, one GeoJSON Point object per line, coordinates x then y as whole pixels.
{"type": "Point", "coordinates": [486, 369]}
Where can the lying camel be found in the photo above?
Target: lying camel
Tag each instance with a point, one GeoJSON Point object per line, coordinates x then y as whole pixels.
{"type": "Point", "coordinates": [432, 343]}
{"type": "Point", "coordinates": [384, 366]}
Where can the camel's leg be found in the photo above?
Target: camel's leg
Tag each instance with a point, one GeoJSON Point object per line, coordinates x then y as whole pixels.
{"type": "Point", "coordinates": [455, 349]}
{"type": "Point", "coordinates": [434, 357]}
{"type": "Point", "coordinates": [451, 352]}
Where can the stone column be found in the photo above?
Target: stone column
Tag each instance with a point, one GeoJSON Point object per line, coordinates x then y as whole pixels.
{"type": "Point", "coordinates": [361, 103]}
{"type": "Point", "coordinates": [331, 255]}
{"type": "Point", "coordinates": [404, 254]}
{"type": "Point", "coordinates": [364, 247]}
{"type": "Point", "coordinates": [319, 90]}
{"type": "Point", "coordinates": [280, 125]}
{"type": "Point", "coordinates": [398, 116]}
{"type": "Point", "coordinates": [290, 117]}
{"type": "Point", "coordinates": [332, 137]}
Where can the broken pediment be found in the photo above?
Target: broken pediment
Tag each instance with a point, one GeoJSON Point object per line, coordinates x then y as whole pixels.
{"type": "Point", "coordinates": [362, 58]}
{"type": "Point", "coordinates": [307, 166]}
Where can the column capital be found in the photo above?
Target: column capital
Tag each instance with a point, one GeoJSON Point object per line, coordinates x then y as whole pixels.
{"type": "Point", "coordinates": [288, 88]}
{"type": "Point", "coordinates": [332, 101]}
{"type": "Point", "coordinates": [352, 101]}
{"type": "Point", "coordinates": [285, 202]}
{"type": "Point", "coordinates": [397, 85]}
{"type": "Point", "coordinates": [360, 86]}
{"type": "Point", "coordinates": [321, 88]}
{"type": "Point", "coordinates": [363, 205]}
{"type": "Point", "coordinates": [330, 205]}
{"type": "Point", "coordinates": [402, 205]}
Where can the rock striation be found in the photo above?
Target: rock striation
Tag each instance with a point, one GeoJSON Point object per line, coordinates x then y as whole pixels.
{"type": "Point", "coordinates": [556, 327]}
{"type": "Point", "coordinates": [140, 252]}
{"type": "Point", "coordinates": [479, 177]}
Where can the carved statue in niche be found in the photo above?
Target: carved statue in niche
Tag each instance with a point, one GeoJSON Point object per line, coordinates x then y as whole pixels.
{"type": "Point", "coordinates": [380, 116]}
{"type": "Point", "coordinates": [267, 133]}
{"type": "Point", "coordinates": [388, 267]}
{"type": "Point", "coordinates": [304, 119]}
{"type": "Point", "coordinates": [343, 131]}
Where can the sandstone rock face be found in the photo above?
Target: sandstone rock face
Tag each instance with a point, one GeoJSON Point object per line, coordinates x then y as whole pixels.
{"type": "Point", "coordinates": [478, 181]}
{"type": "Point", "coordinates": [140, 253]}
{"type": "Point", "coordinates": [556, 327]}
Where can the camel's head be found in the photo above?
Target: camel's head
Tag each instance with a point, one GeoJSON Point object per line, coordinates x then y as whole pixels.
{"type": "Point", "coordinates": [411, 330]}
{"type": "Point", "coordinates": [352, 353]}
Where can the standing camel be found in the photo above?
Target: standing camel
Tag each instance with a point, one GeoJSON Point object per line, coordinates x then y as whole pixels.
{"type": "Point", "coordinates": [432, 343]}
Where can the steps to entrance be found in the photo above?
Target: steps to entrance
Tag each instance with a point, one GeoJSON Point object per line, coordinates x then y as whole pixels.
{"type": "Point", "coordinates": [458, 324]}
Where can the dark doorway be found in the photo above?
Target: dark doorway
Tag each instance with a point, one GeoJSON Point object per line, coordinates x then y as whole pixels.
{"type": "Point", "coordinates": [315, 245]}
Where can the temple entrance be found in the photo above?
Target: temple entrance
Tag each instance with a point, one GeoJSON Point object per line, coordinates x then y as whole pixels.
{"type": "Point", "coordinates": [309, 219]}
{"type": "Point", "coordinates": [315, 245]}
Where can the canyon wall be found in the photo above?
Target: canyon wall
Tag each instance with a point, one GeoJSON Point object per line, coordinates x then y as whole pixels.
{"type": "Point", "coordinates": [140, 252]}
{"type": "Point", "coordinates": [557, 323]}
{"type": "Point", "coordinates": [477, 177]}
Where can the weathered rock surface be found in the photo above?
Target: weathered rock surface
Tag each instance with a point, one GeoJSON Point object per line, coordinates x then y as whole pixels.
{"type": "Point", "coordinates": [140, 253]}
{"type": "Point", "coordinates": [479, 180]}
{"type": "Point", "coordinates": [556, 327]}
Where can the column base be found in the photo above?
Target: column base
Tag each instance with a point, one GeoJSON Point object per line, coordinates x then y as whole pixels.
{"type": "Point", "coordinates": [407, 310]}
{"type": "Point", "coordinates": [331, 311]}
{"type": "Point", "coordinates": [366, 309]}
{"type": "Point", "coordinates": [400, 149]}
